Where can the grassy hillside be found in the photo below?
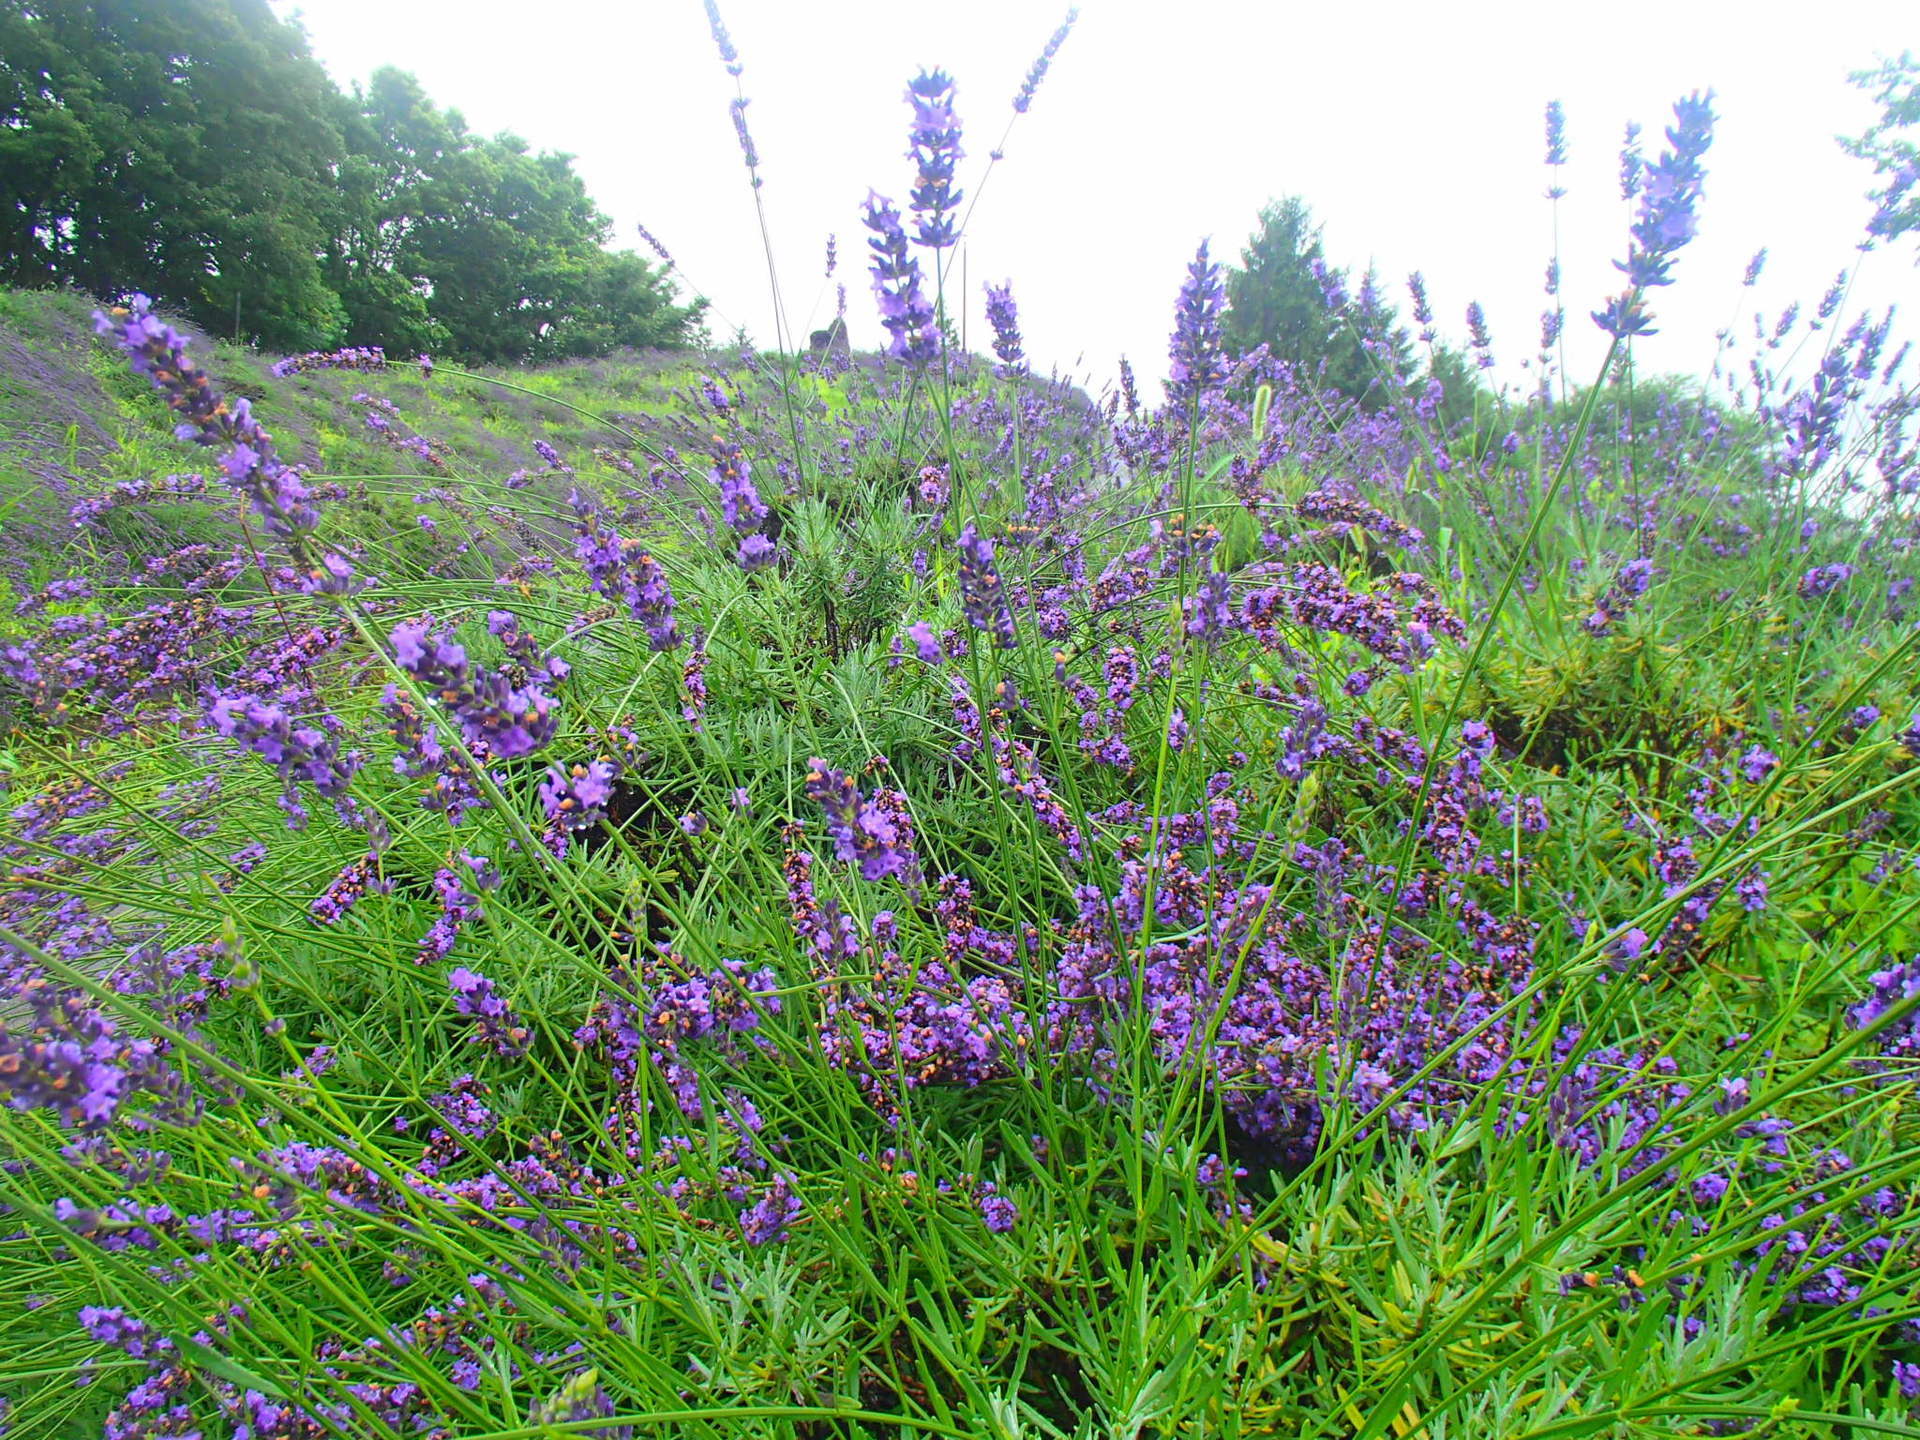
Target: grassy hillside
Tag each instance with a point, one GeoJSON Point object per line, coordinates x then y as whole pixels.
{"type": "Point", "coordinates": [717, 897]}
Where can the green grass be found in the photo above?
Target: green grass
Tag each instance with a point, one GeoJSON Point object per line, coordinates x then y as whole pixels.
{"type": "Point", "coordinates": [1405, 1276]}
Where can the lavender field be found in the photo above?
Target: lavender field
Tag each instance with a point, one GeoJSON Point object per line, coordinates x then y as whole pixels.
{"type": "Point", "coordinates": [791, 892]}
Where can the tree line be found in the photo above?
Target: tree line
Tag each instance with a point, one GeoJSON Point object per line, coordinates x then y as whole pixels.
{"type": "Point", "coordinates": [195, 150]}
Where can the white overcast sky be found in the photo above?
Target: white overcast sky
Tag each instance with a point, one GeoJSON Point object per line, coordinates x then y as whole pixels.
{"type": "Point", "coordinates": [1413, 129]}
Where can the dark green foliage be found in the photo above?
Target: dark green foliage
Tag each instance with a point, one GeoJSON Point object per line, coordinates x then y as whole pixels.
{"type": "Point", "coordinates": [1275, 299]}
{"type": "Point", "coordinates": [182, 148]}
{"type": "Point", "coordinates": [451, 233]}
{"type": "Point", "coordinates": [196, 151]}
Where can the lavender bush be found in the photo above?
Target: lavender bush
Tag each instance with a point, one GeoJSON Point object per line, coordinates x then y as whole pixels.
{"type": "Point", "coordinates": [977, 909]}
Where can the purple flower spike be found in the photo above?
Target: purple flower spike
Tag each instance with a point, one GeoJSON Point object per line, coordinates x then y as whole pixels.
{"type": "Point", "coordinates": [507, 721]}
{"type": "Point", "coordinates": [768, 1219]}
{"type": "Point", "coordinates": [297, 752]}
{"type": "Point", "coordinates": [575, 796]}
{"type": "Point", "coordinates": [278, 495]}
{"type": "Point", "coordinates": [1669, 191]}
{"type": "Point", "coordinates": [925, 645]}
{"type": "Point", "coordinates": [1000, 1213]}
{"type": "Point", "coordinates": [982, 594]}
{"type": "Point", "coordinates": [1197, 350]}
{"type": "Point", "coordinates": [494, 1023]}
{"type": "Point", "coordinates": [740, 504]}
{"type": "Point", "coordinates": [1038, 71]}
{"type": "Point", "coordinates": [1004, 317]}
{"type": "Point", "coordinates": [877, 836]}
{"type": "Point", "coordinates": [729, 56]}
{"type": "Point", "coordinates": [626, 568]}
{"type": "Point", "coordinates": [904, 309]}
{"type": "Point", "coordinates": [370, 357]}
{"type": "Point", "coordinates": [73, 1060]}
{"type": "Point", "coordinates": [935, 151]}
{"type": "Point", "coordinates": [756, 552]}
{"type": "Point", "coordinates": [1478, 336]}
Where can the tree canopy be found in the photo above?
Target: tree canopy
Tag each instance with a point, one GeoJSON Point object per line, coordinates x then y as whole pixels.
{"type": "Point", "coordinates": [1279, 297]}
{"type": "Point", "coordinates": [195, 150]}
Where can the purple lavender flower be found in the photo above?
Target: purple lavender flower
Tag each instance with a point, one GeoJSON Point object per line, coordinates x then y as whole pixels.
{"type": "Point", "coordinates": [654, 244]}
{"type": "Point", "coordinates": [1197, 351]}
{"type": "Point", "coordinates": [626, 567]}
{"type": "Point", "coordinates": [120, 1331]}
{"type": "Point", "coordinates": [767, 1220]}
{"type": "Point", "coordinates": [1829, 302]}
{"type": "Point", "coordinates": [575, 797]}
{"type": "Point", "coordinates": [1862, 719]}
{"type": "Point", "coordinates": [982, 594]}
{"type": "Point", "coordinates": [933, 492]}
{"type": "Point", "coordinates": [1631, 165]}
{"type": "Point", "coordinates": [729, 56]}
{"type": "Point", "coordinates": [934, 148]}
{"type": "Point", "coordinates": [1179, 732]}
{"type": "Point", "coordinates": [523, 649]}
{"type": "Point", "coordinates": [1005, 320]}
{"type": "Point", "coordinates": [863, 831]}
{"type": "Point", "coordinates": [1478, 336]}
{"type": "Point", "coordinates": [924, 644]}
{"type": "Point", "coordinates": [904, 309]}
{"type": "Point", "coordinates": [1000, 1213]}
{"type": "Point", "coordinates": [737, 112]}
{"type": "Point", "coordinates": [1629, 584]}
{"type": "Point", "coordinates": [1210, 608]}
{"type": "Point", "coordinates": [1897, 1046]}
{"type": "Point", "coordinates": [74, 1060]}
{"type": "Point", "coordinates": [1556, 142]}
{"type": "Point", "coordinates": [755, 552]}
{"type": "Point", "coordinates": [740, 503]}
{"type": "Point", "coordinates": [508, 721]}
{"type": "Point", "coordinates": [1666, 220]}
{"type": "Point", "coordinates": [1754, 266]}
{"type": "Point", "coordinates": [457, 907]}
{"type": "Point", "coordinates": [494, 1023]}
{"type": "Point", "coordinates": [298, 752]}
{"type": "Point", "coordinates": [250, 465]}
{"type": "Point", "coordinates": [1422, 307]}
{"type": "Point", "coordinates": [370, 357]}
{"type": "Point", "coordinates": [1333, 286]}
{"type": "Point", "coordinates": [1824, 580]}
{"type": "Point", "coordinates": [345, 890]}
{"type": "Point", "coordinates": [1038, 70]}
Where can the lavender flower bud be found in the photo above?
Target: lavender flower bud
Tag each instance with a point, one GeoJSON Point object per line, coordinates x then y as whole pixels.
{"type": "Point", "coordinates": [982, 594]}
{"type": "Point", "coordinates": [904, 310]}
{"type": "Point", "coordinates": [1197, 351]}
{"type": "Point", "coordinates": [1005, 320]}
{"type": "Point", "coordinates": [862, 831]}
{"type": "Point", "coordinates": [934, 148]}
{"type": "Point", "coordinates": [494, 1023]}
{"type": "Point", "coordinates": [1038, 71]}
